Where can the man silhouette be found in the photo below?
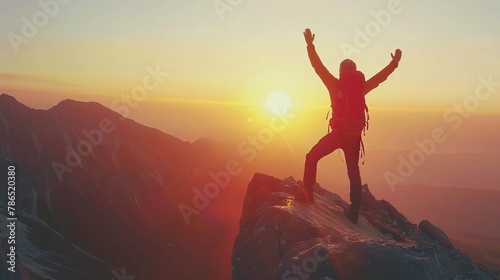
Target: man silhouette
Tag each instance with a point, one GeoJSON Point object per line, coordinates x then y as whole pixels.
{"type": "Point", "coordinates": [347, 96]}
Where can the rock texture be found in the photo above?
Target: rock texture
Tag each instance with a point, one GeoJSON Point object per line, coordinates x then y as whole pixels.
{"type": "Point", "coordinates": [281, 238]}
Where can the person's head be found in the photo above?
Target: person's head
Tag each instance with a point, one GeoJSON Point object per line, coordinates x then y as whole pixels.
{"type": "Point", "coordinates": [347, 65]}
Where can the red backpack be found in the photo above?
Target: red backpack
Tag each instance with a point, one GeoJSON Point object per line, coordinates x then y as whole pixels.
{"type": "Point", "coordinates": [350, 113]}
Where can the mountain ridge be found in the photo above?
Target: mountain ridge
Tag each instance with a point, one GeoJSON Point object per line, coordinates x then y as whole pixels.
{"type": "Point", "coordinates": [139, 170]}
{"type": "Point", "coordinates": [118, 203]}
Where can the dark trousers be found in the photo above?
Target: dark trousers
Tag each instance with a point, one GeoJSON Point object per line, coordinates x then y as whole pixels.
{"type": "Point", "coordinates": [350, 144]}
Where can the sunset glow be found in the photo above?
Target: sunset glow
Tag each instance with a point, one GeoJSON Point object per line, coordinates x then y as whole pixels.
{"type": "Point", "coordinates": [103, 47]}
{"type": "Point", "coordinates": [238, 139]}
{"type": "Point", "coordinates": [278, 102]}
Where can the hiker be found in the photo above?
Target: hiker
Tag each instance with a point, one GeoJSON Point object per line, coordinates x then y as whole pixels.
{"type": "Point", "coordinates": [349, 120]}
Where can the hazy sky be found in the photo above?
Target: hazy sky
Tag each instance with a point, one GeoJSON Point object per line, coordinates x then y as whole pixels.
{"type": "Point", "coordinates": [245, 52]}
{"type": "Point", "coordinates": [223, 65]}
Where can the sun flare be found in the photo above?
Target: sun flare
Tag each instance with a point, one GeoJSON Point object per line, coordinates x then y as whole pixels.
{"type": "Point", "coordinates": [278, 102]}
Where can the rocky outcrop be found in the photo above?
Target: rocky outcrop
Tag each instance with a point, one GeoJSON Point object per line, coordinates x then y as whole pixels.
{"type": "Point", "coordinates": [281, 238]}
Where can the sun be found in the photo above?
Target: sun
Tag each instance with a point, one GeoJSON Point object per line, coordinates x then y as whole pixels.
{"type": "Point", "coordinates": [278, 102]}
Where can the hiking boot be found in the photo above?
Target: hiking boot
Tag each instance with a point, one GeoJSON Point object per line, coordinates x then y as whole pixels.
{"type": "Point", "coordinates": [352, 212]}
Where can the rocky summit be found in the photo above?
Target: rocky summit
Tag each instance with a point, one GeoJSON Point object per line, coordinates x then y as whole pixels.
{"type": "Point", "coordinates": [281, 238]}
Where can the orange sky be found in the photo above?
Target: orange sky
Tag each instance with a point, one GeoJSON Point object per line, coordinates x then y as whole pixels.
{"type": "Point", "coordinates": [236, 58]}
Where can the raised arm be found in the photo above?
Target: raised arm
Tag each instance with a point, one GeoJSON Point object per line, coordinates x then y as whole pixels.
{"type": "Point", "coordinates": [381, 76]}
{"type": "Point", "coordinates": [316, 63]}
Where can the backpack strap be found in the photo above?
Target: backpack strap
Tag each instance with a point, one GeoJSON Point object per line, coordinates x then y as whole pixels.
{"type": "Point", "coordinates": [363, 153]}
{"type": "Point", "coordinates": [367, 126]}
{"type": "Point", "coordinates": [328, 115]}
{"type": "Point", "coordinates": [367, 120]}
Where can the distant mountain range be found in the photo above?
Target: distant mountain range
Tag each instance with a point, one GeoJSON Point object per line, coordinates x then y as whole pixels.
{"type": "Point", "coordinates": [98, 194]}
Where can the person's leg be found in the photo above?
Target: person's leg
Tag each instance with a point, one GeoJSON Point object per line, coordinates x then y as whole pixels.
{"type": "Point", "coordinates": [351, 145]}
{"type": "Point", "coordinates": [325, 146]}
